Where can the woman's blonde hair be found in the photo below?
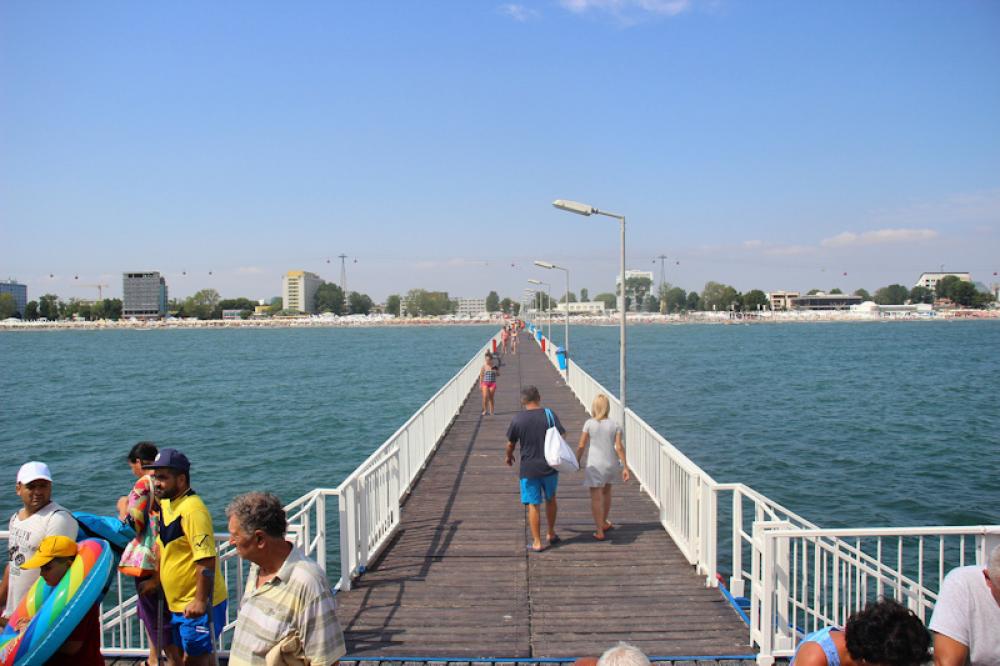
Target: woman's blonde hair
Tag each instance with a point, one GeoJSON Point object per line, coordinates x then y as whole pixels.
{"type": "Point", "coordinates": [600, 407]}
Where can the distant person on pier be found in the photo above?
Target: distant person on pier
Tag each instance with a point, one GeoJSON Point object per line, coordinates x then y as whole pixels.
{"type": "Point", "coordinates": [141, 510]}
{"type": "Point", "coordinates": [884, 633]}
{"type": "Point", "coordinates": [505, 338]}
{"type": "Point", "coordinates": [538, 481]}
{"type": "Point", "coordinates": [513, 338]}
{"type": "Point", "coordinates": [605, 462]}
{"type": "Point", "coordinates": [966, 619]}
{"type": "Point", "coordinates": [488, 383]}
{"type": "Point", "coordinates": [38, 518]}
{"type": "Point", "coordinates": [287, 607]}
{"type": "Point", "coordinates": [189, 565]}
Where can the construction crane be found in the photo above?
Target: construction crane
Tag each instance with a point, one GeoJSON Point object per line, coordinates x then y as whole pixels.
{"type": "Point", "coordinates": [100, 289]}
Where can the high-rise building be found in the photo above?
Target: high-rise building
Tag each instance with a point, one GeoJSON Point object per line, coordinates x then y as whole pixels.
{"type": "Point", "coordinates": [144, 295]}
{"type": "Point", "coordinates": [18, 291]}
{"type": "Point", "coordinates": [298, 289]}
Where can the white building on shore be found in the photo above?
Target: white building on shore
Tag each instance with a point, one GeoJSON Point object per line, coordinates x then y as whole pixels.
{"type": "Point", "coordinates": [930, 280]}
{"type": "Point", "coordinates": [583, 307]}
{"type": "Point", "coordinates": [471, 307]}
{"type": "Point", "coordinates": [298, 290]}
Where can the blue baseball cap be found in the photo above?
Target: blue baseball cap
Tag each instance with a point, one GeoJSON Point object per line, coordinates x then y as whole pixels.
{"type": "Point", "coordinates": [171, 458]}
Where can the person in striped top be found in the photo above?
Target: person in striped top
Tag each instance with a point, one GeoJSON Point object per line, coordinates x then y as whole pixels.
{"type": "Point", "coordinates": [488, 383]}
{"type": "Point", "coordinates": [288, 606]}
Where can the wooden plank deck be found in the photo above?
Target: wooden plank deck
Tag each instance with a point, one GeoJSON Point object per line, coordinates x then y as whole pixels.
{"type": "Point", "coordinates": [458, 582]}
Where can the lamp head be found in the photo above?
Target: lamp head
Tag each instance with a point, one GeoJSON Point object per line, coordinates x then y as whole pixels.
{"type": "Point", "coordinates": [535, 282]}
{"type": "Point", "coordinates": [573, 206]}
{"type": "Point", "coordinates": [544, 264]}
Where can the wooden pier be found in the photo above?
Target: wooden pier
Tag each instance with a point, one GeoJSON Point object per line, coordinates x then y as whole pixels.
{"type": "Point", "coordinates": [459, 582]}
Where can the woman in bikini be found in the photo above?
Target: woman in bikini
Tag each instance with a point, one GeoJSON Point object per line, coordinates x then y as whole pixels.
{"type": "Point", "coordinates": [488, 383]}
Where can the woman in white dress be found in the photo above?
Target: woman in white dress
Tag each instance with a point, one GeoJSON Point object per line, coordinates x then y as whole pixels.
{"type": "Point", "coordinates": [605, 462]}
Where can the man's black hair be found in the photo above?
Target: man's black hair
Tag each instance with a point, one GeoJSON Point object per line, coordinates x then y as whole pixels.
{"type": "Point", "coordinates": [887, 632]}
{"type": "Point", "coordinates": [530, 394]}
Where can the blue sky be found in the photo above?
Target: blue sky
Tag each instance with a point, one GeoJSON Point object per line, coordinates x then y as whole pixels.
{"type": "Point", "coordinates": [771, 145]}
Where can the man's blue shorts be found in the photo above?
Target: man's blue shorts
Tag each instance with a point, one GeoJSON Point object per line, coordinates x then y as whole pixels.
{"type": "Point", "coordinates": [535, 491]}
{"type": "Point", "coordinates": [191, 634]}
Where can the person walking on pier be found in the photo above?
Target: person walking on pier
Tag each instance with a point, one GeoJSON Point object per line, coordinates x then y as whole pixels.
{"type": "Point", "coordinates": [538, 480]}
{"type": "Point", "coordinates": [505, 338]}
{"type": "Point", "coordinates": [605, 462]}
{"type": "Point", "coordinates": [488, 383]}
{"type": "Point", "coordinates": [513, 338]}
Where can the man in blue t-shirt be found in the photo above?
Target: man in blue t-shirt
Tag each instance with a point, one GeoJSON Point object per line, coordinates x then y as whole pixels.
{"type": "Point", "coordinates": [538, 480]}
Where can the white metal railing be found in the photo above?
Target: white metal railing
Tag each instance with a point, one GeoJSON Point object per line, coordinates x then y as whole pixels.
{"type": "Point", "coordinates": [800, 577]}
{"type": "Point", "coordinates": [806, 579]}
{"type": "Point", "coordinates": [123, 634]}
{"type": "Point", "coordinates": [370, 496]}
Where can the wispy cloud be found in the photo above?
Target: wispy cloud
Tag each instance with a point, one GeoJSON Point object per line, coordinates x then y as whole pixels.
{"type": "Point", "coordinates": [879, 237]}
{"type": "Point", "coordinates": [789, 250]}
{"type": "Point", "coordinates": [519, 13]}
{"type": "Point", "coordinates": [628, 10]}
{"type": "Point", "coordinates": [249, 270]}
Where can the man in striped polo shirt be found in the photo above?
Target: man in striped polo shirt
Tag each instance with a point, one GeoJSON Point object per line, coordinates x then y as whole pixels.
{"type": "Point", "coordinates": [288, 599]}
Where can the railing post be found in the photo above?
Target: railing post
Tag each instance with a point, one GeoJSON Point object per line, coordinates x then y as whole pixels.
{"type": "Point", "coordinates": [346, 538]}
{"type": "Point", "coordinates": [709, 533]}
{"type": "Point", "coordinates": [321, 530]}
{"type": "Point", "coordinates": [736, 579]}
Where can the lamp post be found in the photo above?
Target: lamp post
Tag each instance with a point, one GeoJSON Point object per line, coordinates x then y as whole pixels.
{"type": "Point", "coordinates": [548, 306]}
{"type": "Point", "coordinates": [529, 294]}
{"type": "Point", "coordinates": [550, 266]}
{"type": "Point", "coordinates": [585, 209]}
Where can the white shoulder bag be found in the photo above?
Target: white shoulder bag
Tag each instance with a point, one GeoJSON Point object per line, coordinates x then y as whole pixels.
{"type": "Point", "coordinates": [557, 452]}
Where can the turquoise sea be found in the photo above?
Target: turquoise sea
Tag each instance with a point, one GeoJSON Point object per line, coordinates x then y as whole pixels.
{"type": "Point", "coordinates": [847, 424]}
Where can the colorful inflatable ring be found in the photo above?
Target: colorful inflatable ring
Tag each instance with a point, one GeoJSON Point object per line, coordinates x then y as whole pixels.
{"type": "Point", "coordinates": [56, 611]}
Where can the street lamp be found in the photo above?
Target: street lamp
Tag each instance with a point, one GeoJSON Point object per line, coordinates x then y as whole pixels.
{"type": "Point", "coordinates": [585, 209]}
{"type": "Point", "coordinates": [531, 294]}
{"type": "Point", "coordinates": [548, 305]}
{"type": "Point", "coordinates": [550, 266]}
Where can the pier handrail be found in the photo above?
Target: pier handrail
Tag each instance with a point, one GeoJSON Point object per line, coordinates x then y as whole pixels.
{"type": "Point", "coordinates": [801, 577]}
{"type": "Point", "coordinates": [806, 579]}
{"type": "Point", "coordinates": [370, 496]}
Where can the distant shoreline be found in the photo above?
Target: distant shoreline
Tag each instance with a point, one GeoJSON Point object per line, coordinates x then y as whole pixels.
{"type": "Point", "coordinates": [717, 318]}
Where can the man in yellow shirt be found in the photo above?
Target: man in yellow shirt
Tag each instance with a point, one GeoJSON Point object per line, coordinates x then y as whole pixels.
{"type": "Point", "coordinates": [189, 568]}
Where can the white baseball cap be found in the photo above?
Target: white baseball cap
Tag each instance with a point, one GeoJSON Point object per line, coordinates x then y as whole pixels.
{"type": "Point", "coordinates": [32, 471]}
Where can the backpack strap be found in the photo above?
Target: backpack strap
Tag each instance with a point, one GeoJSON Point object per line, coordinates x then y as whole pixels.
{"type": "Point", "coordinates": [549, 419]}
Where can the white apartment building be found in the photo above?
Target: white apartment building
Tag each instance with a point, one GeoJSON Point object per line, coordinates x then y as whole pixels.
{"type": "Point", "coordinates": [298, 288]}
{"type": "Point", "coordinates": [632, 274]}
{"type": "Point", "coordinates": [583, 307]}
{"type": "Point", "coordinates": [473, 307]}
{"type": "Point", "coordinates": [930, 280]}
{"type": "Point", "coordinates": [782, 300]}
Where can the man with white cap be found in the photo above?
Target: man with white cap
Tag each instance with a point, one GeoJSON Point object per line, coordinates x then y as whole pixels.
{"type": "Point", "coordinates": [40, 517]}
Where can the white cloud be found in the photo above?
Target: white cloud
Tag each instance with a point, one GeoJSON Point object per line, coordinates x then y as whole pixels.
{"type": "Point", "coordinates": [752, 244]}
{"type": "Point", "coordinates": [519, 13]}
{"type": "Point", "coordinates": [625, 8]}
{"type": "Point", "coordinates": [879, 237]}
{"type": "Point", "coordinates": [789, 250]}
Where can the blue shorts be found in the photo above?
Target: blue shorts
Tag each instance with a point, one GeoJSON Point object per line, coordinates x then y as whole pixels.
{"type": "Point", "coordinates": [191, 634]}
{"type": "Point", "coordinates": [535, 491]}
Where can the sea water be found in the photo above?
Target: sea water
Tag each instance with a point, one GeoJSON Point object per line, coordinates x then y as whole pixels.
{"type": "Point", "coordinates": [860, 424]}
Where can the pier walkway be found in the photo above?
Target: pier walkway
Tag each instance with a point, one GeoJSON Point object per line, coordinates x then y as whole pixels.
{"type": "Point", "coordinates": [458, 581]}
